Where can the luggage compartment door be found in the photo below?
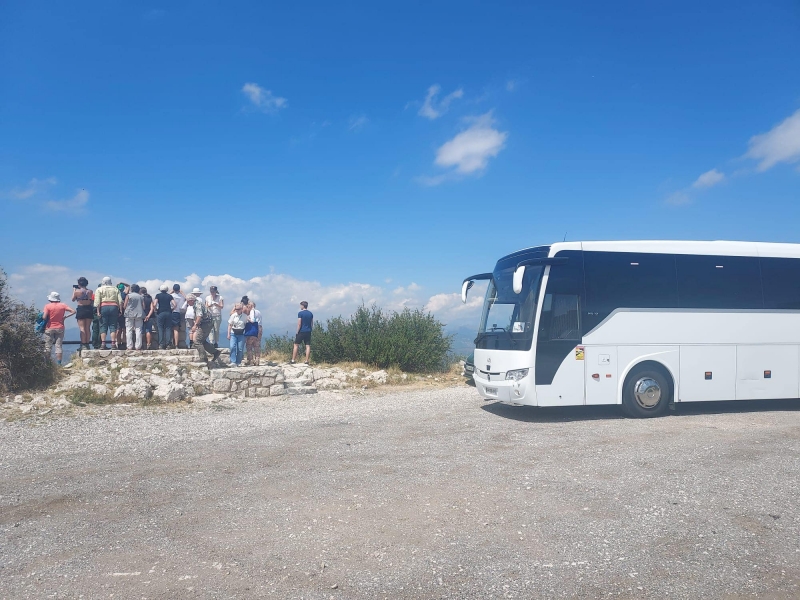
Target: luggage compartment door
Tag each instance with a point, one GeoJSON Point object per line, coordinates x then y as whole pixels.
{"type": "Point", "coordinates": [766, 372]}
{"type": "Point", "coordinates": [707, 373]}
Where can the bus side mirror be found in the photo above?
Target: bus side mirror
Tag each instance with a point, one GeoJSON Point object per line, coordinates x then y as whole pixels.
{"type": "Point", "coordinates": [519, 273]}
{"type": "Point", "coordinates": [465, 288]}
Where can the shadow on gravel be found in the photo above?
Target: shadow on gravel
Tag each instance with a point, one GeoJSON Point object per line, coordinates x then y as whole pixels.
{"type": "Point", "coordinates": [531, 414]}
{"type": "Point", "coordinates": [685, 409]}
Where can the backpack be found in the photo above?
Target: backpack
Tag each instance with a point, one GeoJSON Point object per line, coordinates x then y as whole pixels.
{"type": "Point", "coordinates": [41, 323]}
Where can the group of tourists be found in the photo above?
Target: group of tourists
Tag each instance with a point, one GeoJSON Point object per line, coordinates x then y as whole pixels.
{"type": "Point", "coordinates": [128, 317]}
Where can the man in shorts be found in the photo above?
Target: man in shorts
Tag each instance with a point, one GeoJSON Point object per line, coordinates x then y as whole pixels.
{"type": "Point", "coordinates": [54, 312]}
{"type": "Point", "coordinates": [108, 302]}
{"type": "Point", "coordinates": [305, 324]}
{"type": "Point", "coordinates": [179, 317]}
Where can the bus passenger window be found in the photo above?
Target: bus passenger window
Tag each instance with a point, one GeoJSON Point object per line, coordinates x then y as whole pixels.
{"type": "Point", "coordinates": [560, 317]}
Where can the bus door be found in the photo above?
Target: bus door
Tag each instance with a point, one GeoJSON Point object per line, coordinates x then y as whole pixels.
{"type": "Point", "coordinates": [559, 355]}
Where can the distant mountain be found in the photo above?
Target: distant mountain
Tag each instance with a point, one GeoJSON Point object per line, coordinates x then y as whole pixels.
{"type": "Point", "coordinates": [463, 338]}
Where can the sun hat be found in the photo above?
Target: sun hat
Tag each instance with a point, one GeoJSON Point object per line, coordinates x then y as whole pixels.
{"type": "Point", "coordinates": [54, 297]}
{"type": "Point", "coordinates": [106, 280]}
{"type": "Point", "coordinates": [197, 291]}
{"type": "Point", "coordinates": [164, 287]}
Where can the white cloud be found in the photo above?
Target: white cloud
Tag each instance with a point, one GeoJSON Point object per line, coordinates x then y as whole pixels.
{"type": "Point", "coordinates": [32, 283]}
{"type": "Point", "coordinates": [34, 188]}
{"type": "Point", "coordinates": [779, 144]}
{"type": "Point", "coordinates": [357, 122]}
{"type": "Point", "coordinates": [709, 179]}
{"type": "Point", "coordinates": [470, 150]}
{"type": "Point", "coordinates": [263, 99]}
{"type": "Point", "coordinates": [448, 308]}
{"type": "Point", "coordinates": [433, 109]}
{"type": "Point", "coordinates": [430, 181]}
{"type": "Point", "coordinates": [278, 295]}
{"type": "Point", "coordinates": [511, 85]}
{"type": "Point", "coordinates": [412, 287]}
{"type": "Point", "coordinates": [39, 191]}
{"type": "Point", "coordinates": [75, 205]}
{"type": "Point", "coordinates": [679, 198]}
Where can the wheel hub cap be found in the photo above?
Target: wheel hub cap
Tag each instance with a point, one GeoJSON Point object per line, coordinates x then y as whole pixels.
{"type": "Point", "coordinates": [647, 392]}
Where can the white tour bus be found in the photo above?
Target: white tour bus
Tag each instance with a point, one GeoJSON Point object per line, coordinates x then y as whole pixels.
{"type": "Point", "coordinates": [640, 323]}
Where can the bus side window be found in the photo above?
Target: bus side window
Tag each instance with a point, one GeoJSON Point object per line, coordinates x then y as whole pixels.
{"type": "Point", "coordinates": [561, 317]}
{"type": "Point", "coordinates": [781, 278]}
{"type": "Point", "coordinates": [719, 282]}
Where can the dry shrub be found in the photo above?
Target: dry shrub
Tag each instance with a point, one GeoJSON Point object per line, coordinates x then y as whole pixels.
{"type": "Point", "coordinates": [24, 364]}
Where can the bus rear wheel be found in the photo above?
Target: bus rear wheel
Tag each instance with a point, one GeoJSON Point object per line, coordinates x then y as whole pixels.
{"type": "Point", "coordinates": [647, 393]}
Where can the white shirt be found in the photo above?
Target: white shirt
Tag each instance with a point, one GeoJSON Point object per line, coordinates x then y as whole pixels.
{"type": "Point", "coordinates": [180, 303]}
{"type": "Point", "coordinates": [215, 310]}
{"type": "Point", "coordinates": [189, 312]}
{"type": "Point", "coordinates": [238, 320]}
{"type": "Point", "coordinates": [255, 316]}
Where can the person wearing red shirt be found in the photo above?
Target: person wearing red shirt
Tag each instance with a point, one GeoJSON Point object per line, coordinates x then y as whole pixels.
{"type": "Point", "coordinates": [54, 313]}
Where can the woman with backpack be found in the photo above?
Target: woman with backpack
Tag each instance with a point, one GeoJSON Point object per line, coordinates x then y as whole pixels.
{"type": "Point", "coordinates": [85, 312]}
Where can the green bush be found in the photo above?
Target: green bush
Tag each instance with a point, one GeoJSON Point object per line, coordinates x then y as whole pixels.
{"type": "Point", "coordinates": [411, 340]}
{"type": "Point", "coordinates": [282, 344]}
{"type": "Point", "coordinates": [24, 364]}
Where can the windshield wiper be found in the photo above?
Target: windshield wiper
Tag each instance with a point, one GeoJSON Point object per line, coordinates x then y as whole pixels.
{"type": "Point", "coordinates": [484, 334]}
{"type": "Point", "coordinates": [481, 336]}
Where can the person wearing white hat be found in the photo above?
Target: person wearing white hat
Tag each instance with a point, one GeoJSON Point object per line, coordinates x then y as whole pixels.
{"type": "Point", "coordinates": [54, 314]}
{"type": "Point", "coordinates": [190, 316]}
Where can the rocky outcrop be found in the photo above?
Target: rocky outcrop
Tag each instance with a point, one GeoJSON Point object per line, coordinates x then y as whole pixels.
{"type": "Point", "coordinates": [119, 376]}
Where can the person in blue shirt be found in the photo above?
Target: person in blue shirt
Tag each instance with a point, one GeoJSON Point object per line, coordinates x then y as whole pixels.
{"type": "Point", "coordinates": [305, 323]}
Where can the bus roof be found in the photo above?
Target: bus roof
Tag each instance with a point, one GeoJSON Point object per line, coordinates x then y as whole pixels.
{"type": "Point", "coordinates": [715, 248]}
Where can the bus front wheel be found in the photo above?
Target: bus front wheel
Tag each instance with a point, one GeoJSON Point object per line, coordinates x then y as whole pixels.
{"type": "Point", "coordinates": [647, 392]}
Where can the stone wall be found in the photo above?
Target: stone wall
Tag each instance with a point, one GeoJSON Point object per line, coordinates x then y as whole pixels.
{"type": "Point", "coordinates": [172, 375]}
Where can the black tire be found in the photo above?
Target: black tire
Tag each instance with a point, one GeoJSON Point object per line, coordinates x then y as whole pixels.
{"type": "Point", "coordinates": [655, 393]}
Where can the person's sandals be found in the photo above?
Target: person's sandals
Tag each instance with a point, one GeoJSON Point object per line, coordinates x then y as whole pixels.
{"type": "Point", "coordinates": [114, 347]}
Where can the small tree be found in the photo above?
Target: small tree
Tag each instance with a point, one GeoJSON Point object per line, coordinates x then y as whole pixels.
{"type": "Point", "coordinates": [411, 340]}
{"type": "Point", "coordinates": [24, 364]}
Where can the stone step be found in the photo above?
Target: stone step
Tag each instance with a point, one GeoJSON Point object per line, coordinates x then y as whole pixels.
{"type": "Point", "coordinates": [298, 382]}
{"type": "Point", "coordinates": [298, 391]}
{"type": "Point", "coordinates": [145, 353]}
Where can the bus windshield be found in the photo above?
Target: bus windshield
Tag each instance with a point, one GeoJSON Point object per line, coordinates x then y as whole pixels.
{"type": "Point", "coordinates": [508, 318]}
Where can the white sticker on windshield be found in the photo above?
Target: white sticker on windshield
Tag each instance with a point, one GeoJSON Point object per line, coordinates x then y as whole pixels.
{"type": "Point", "coordinates": [519, 327]}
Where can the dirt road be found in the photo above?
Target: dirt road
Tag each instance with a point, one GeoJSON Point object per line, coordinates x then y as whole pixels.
{"type": "Point", "coordinates": [406, 494]}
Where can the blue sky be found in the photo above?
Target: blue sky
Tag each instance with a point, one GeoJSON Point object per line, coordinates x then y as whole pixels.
{"type": "Point", "coordinates": [383, 152]}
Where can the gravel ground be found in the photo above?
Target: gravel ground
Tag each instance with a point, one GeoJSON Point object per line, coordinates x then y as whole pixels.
{"type": "Point", "coordinates": [401, 494]}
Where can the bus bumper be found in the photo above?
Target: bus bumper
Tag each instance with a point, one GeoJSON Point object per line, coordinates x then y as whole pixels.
{"type": "Point", "coordinates": [516, 393]}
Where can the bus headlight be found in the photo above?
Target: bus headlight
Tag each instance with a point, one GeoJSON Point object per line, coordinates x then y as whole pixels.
{"type": "Point", "coordinates": [517, 374]}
